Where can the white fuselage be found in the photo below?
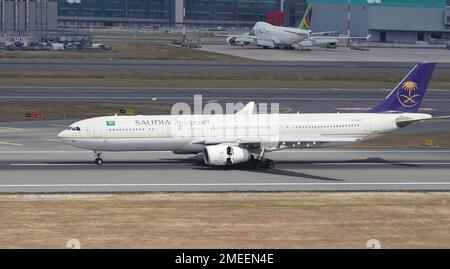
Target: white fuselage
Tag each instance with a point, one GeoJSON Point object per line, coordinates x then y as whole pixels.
{"type": "Point", "coordinates": [268, 35]}
{"type": "Point", "coordinates": [191, 133]}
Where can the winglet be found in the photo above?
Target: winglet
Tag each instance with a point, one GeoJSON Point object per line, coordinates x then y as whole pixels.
{"type": "Point", "coordinates": [250, 108]}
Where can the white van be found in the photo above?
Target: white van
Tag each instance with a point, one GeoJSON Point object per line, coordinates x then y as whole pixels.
{"type": "Point", "coordinates": [57, 46]}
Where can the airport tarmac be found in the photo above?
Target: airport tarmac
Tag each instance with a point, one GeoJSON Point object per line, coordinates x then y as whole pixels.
{"type": "Point", "coordinates": [320, 170]}
{"type": "Point", "coordinates": [32, 159]}
{"type": "Point", "coordinates": [276, 65]}
{"type": "Point", "coordinates": [341, 54]}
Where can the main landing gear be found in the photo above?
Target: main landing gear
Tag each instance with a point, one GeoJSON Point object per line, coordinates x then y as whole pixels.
{"type": "Point", "coordinates": [260, 162]}
{"type": "Point", "coordinates": [98, 159]}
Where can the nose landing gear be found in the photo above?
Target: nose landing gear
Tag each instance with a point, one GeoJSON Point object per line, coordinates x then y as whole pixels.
{"type": "Point", "coordinates": [98, 160]}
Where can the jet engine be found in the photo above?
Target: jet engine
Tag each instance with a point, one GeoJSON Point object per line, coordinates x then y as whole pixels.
{"type": "Point", "coordinates": [222, 155]}
{"type": "Point", "coordinates": [232, 41]}
{"type": "Point", "coordinates": [241, 41]}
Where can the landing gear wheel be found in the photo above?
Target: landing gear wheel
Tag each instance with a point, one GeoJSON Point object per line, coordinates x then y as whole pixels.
{"type": "Point", "coordinates": [99, 161]}
{"type": "Point", "coordinates": [98, 158]}
{"type": "Point", "coordinates": [269, 164]}
{"type": "Point", "coordinates": [254, 163]}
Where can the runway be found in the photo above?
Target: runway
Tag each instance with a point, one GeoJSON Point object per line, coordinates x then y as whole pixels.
{"type": "Point", "coordinates": [319, 170]}
{"type": "Point", "coordinates": [257, 66]}
{"type": "Point", "coordinates": [33, 160]}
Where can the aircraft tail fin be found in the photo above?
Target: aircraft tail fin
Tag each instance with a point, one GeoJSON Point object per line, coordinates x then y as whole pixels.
{"type": "Point", "coordinates": [305, 23]}
{"type": "Point", "coordinates": [409, 93]}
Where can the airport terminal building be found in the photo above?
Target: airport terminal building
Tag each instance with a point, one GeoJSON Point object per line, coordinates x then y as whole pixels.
{"type": "Point", "coordinates": [141, 13]}
{"type": "Point", "coordinates": [23, 17]}
{"type": "Point", "coordinates": [406, 21]}
{"type": "Point", "coordinates": [386, 20]}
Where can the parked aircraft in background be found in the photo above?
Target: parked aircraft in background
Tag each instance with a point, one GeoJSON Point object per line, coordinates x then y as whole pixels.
{"type": "Point", "coordinates": [267, 35]}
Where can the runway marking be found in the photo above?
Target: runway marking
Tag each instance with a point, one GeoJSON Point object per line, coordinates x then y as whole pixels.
{"type": "Point", "coordinates": [183, 164]}
{"type": "Point", "coordinates": [286, 109]}
{"type": "Point", "coordinates": [11, 129]}
{"type": "Point", "coordinates": [31, 88]}
{"type": "Point", "coordinates": [10, 144]}
{"type": "Point", "coordinates": [223, 184]}
{"type": "Point", "coordinates": [218, 98]}
{"type": "Point", "coordinates": [74, 91]}
{"type": "Point", "coordinates": [94, 165]}
{"type": "Point", "coordinates": [53, 140]}
{"type": "Point", "coordinates": [279, 152]}
{"type": "Point", "coordinates": [393, 163]}
{"type": "Point", "coordinates": [363, 151]}
{"type": "Point", "coordinates": [40, 152]}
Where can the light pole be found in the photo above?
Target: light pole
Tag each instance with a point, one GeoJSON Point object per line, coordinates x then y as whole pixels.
{"type": "Point", "coordinates": [349, 22]}
{"type": "Point", "coordinates": [184, 22]}
{"type": "Point", "coordinates": [128, 13]}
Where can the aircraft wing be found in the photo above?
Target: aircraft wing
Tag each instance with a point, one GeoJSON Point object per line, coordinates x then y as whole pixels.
{"type": "Point", "coordinates": [324, 33]}
{"type": "Point", "coordinates": [245, 37]}
{"type": "Point", "coordinates": [289, 139]}
{"type": "Point", "coordinates": [301, 139]}
{"type": "Point", "coordinates": [293, 31]}
{"type": "Point", "coordinates": [249, 39]}
{"type": "Point", "coordinates": [319, 40]}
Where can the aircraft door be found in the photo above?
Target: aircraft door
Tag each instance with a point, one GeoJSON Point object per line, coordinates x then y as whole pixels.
{"type": "Point", "coordinates": [367, 126]}
{"type": "Point", "coordinates": [97, 129]}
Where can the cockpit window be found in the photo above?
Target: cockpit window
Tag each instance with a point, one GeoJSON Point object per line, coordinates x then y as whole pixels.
{"type": "Point", "coordinates": [74, 128]}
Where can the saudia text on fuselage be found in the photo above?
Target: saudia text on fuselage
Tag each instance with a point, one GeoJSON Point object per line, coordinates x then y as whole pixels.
{"type": "Point", "coordinates": [156, 122]}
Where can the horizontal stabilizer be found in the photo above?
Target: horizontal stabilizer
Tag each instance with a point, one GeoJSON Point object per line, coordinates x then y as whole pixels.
{"type": "Point", "coordinates": [405, 121]}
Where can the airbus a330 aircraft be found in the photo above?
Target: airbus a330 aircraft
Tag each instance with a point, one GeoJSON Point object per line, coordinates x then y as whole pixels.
{"type": "Point", "coordinates": [267, 35]}
{"type": "Point", "coordinates": [244, 137]}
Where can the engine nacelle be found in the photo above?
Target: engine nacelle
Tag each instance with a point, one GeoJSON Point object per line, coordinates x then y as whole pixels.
{"type": "Point", "coordinates": [221, 155]}
{"type": "Point", "coordinates": [241, 41]}
{"type": "Point", "coordinates": [232, 41]}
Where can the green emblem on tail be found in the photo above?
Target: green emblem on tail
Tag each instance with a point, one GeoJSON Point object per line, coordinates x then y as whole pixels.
{"type": "Point", "coordinates": [305, 24]}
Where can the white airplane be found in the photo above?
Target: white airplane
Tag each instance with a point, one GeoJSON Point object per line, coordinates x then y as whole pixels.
{"type": "Point", "coordinates": [267, 36]}
{"type": "Point", "coordinates": [244, 137]}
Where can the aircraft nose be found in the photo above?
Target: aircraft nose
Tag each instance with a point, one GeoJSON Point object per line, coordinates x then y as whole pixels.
{"type": "Point", "coordinates": [63, 134]}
